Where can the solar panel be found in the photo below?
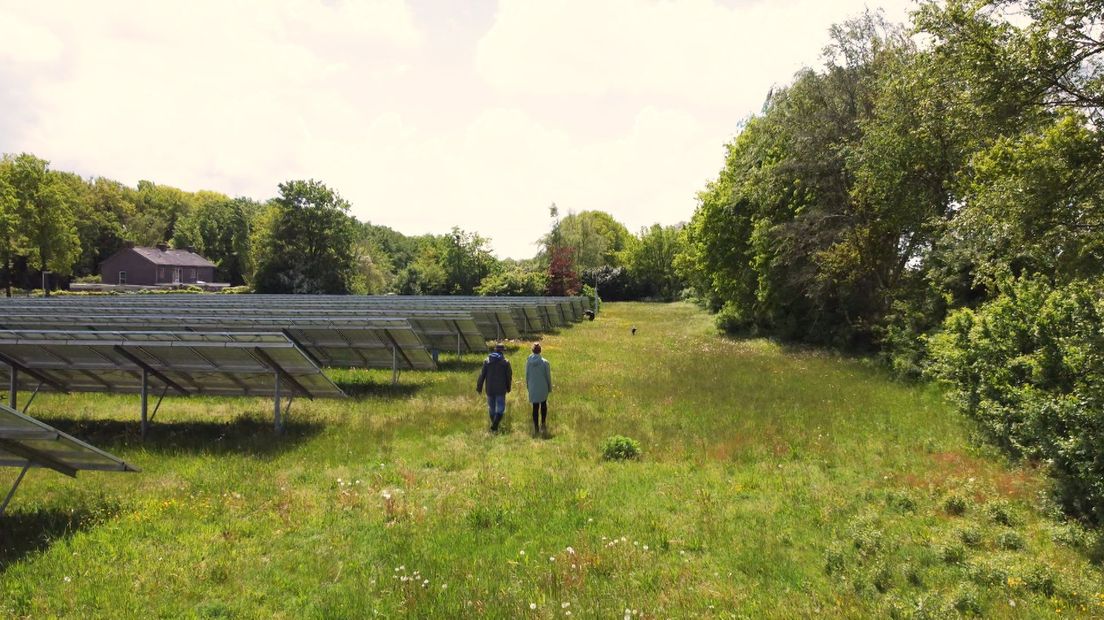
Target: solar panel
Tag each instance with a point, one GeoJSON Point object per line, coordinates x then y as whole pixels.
{"type": "Point", "coordinates": [208, 363]}
{"type": "Point", "coordinates": [26, 442]}
{"type": "Point", "coordinates": [187, 363]}
{"type": "Point", "coordinates": [338, 342]}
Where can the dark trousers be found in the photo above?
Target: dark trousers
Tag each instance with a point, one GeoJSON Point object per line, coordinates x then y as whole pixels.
{"type": "Point", "coordinates": [542, 409]}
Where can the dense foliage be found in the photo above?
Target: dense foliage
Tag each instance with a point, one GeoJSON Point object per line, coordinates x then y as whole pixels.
{"type": "Point", "coordinates": [935, 195]}
{"type": "Point", "coordinates": [1029, 366]}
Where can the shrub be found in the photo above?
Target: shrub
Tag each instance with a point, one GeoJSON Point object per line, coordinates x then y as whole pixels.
{"type": "Point", "coordinates": [1040, 579]}
{"type": "Point", "coordinates": [970, 536]}
{"type": "Point", "coordinates": [620, 448]}
{"type": "Point", "coordinates": [956, 504]}
{"type": "Point", "coordinates": [1001, 512]}
{"type": "Point", "coordinates": [1010, 540]}
{"type": "Point", "coordinates": [953, 554]}
{"type": "Point", "coordinates": [1026, 366]}
{"type": "Point", "coordinates": [967, 602]}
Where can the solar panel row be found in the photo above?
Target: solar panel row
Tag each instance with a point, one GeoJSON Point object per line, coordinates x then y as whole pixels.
{"type": "Point", "coordinates": [27, 443]}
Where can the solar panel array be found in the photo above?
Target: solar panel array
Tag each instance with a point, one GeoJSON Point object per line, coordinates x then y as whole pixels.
{"type": "Point", "coordinates": [26, 442]}
{"type": "Point", "coordinates": [188, 363]}
{"type": "Point", "coordinates": [246, 345]}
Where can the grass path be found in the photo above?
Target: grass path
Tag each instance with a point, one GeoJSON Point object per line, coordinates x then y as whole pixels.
{"type": "Point", "coordinates": [774, 483]}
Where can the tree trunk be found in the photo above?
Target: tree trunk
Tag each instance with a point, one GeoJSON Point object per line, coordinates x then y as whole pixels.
{"type": "Point", "coordinates": [7, 276]}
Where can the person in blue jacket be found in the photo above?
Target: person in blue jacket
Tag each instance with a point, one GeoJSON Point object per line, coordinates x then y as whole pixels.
{"type": "Point", "coordinates": [538, 379]}
{"type": "Point", "coordinates": [498, 377]}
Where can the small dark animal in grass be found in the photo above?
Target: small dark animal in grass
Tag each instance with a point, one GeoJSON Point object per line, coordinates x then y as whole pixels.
{"type": "Point", "coordinates": [634, 331]}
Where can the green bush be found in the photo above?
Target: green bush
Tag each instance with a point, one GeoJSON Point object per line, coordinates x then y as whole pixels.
{"type": "Point", "coordinates": [620, 448]}
{"type": "Point", "coordinates": [1010, 540]}
{"type": "Point", "coordinates": [956, 504]}
{"type": "Point", "coordinates": [1027, 367]}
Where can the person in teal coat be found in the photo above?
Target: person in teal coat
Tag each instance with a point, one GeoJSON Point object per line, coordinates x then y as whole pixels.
{"type": "Point", "coordinates": [538, 379]}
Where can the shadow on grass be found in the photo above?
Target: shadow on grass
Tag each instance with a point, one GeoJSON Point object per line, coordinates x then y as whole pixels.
{"type": "Point", "coordinates": [361, 389]}
{"type": "Point", "coordinates": [467, 364]}
{"type": "Point", "coordinates": [25, 533]}
{"type": "Point", "coordinates": [242, 435]}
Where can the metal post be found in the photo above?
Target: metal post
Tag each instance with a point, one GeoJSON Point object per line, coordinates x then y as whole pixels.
{"type": "Point", "coordinates": [31, 399]}
{"type": "Point", "coordinates": [145, 401]}
{"type": "Point", "coordinates": [458, 343]}
{"type": "Point", "coordinates": [394, 364]}
{"type": "Point", "coordinates": [13, 387]}
{"type": "Point", "coordinates": [276, 405]}
{"type": "Point", "coordinates": [15, 486]}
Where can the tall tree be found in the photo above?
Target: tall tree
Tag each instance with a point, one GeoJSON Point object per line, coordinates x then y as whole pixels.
{"type": "Point", "coordinates": [44, 206]}
{"type": "Point", "coordinates": [650, 259]}
{"type": "Point", "coordinates": [219, 228]}
{"type": "Point", "coordinates": [595, 238]}
{"type": "Point", "coordinates": [8, 223]}
{"type": "Point", "coordinates": [309, 245]}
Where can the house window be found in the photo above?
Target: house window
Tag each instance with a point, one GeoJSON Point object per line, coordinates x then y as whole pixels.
{"type": "Point", "coordinates": [122, 277]}
{"type": "Point", "coordinates": [191, 275]}
{"type": "Point", "coordinates": [162, 275]}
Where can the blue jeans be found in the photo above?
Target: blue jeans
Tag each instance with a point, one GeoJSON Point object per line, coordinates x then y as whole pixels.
{"type": "Point", "coordinates": [496, 405]}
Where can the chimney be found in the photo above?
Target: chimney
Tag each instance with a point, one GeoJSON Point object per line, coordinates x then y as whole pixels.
{"type": "Point", "coordinates": [164, 247]}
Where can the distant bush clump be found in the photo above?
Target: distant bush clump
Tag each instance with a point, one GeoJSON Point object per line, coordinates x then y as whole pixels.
{"type": "Point", "coordinates": [620, 448]}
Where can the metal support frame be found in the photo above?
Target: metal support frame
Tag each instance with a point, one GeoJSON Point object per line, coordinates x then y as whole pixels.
{"type": "Point", "coordinates": [15, 486]}
{"type": "Point", "coordinates": [394, 365]}
{"type": "Point", "coordinates": [160, 398]}
{"type": "Point", "coordinates": [13, 386]}
{"type": "Point", "coordinates": [276, 408]}
{"type": "Point", "coordinates": [31, 399]}
{"type": "Point", "coordinates": [145, 400]}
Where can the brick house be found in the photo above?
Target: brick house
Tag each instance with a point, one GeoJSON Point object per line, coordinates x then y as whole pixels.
{"type": "Point", "coordinates": [138, 266]}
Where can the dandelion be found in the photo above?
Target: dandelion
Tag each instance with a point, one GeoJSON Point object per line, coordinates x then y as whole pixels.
{"type": "Point", "coordinates": [67, 579]}
{"type": "Point", "coordinates": [522, 552]}
{"type": "Point", "coordinates": [570, 550]}
{"type": "Point", "coordinates": [444, 586]}
{"type": "Point", "coordinates": [552, 558]}
{"type": "Point", "coordinates": [645, 547]}
{"type": "Point", "coordinates": [532, 605]}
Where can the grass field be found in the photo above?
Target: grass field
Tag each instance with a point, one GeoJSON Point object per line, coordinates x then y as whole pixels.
{"type": "Point", "coordinates": [773, 483]}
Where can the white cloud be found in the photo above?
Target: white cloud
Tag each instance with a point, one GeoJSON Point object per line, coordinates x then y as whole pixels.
{"type": "Point", "coordinates": [619, 105]}
{"type": "Point", "coordinates": [691, 50]}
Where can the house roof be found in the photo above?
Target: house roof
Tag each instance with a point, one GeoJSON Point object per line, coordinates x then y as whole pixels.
{"type": "Point", "coordinates": [173, 258]}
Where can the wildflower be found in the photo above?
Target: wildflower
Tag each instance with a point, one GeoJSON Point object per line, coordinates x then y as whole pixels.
{"type": "Point", "coordinates": [552, 558]}
{"type": "Point", "coordinates": [570, 550]}
{"type": "Point", "coordinates": [532, 605]}
{"type": "Point", "coordinates": [565, 605]}
{"type": "Point", "coordinates": [645, 547]}
{"type": "Point", "coordinates": [522, 552]}
{"type": "Point", "coordinates": [67, 579]}
{"type": "Point", "coordinates": [444, 586]}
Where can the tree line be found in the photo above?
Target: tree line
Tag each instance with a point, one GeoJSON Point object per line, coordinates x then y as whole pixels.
{"type": "Point", "coordinates": [935, 195]}
{"type": "Point", "coordinates": [304, 240]}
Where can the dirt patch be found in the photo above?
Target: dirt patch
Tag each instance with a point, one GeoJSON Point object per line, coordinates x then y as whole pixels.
{"type": "Point", "coordinates": [952, 469]}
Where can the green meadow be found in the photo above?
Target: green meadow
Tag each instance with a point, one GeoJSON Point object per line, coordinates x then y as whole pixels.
{"type": "Point", "coordinates": [773, 483]}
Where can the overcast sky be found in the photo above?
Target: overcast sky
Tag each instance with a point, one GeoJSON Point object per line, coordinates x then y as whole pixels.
{"type": "Point", "coordinates": [423, 114]}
